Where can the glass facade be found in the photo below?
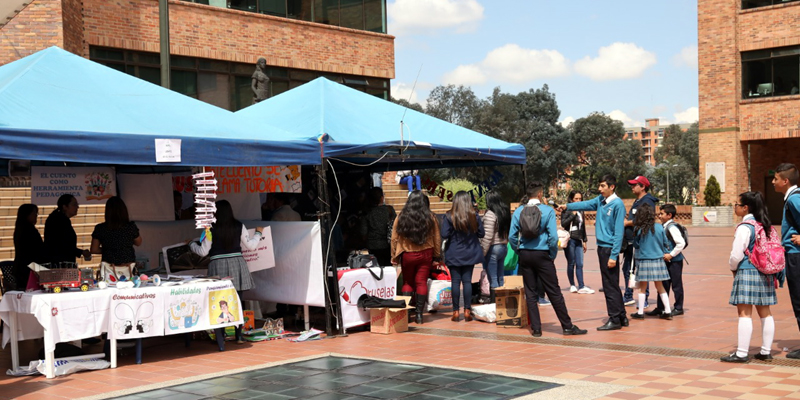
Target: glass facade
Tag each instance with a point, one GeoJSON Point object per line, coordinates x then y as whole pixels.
{"type": "Point", "coordinates": [746, 4]}
{"type": "Point", "coordinates": [223, 83]}
{"type": "Point", "coordinates": [771, 72]}
{"type": "Point", "coordinates": [368, 15]}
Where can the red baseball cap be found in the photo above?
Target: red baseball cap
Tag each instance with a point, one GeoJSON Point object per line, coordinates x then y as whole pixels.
{"type": "Point", "coordinates": [640, 180]}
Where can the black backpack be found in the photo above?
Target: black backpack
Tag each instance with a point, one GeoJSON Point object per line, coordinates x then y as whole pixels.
{"type": "Point", "coordinates": [530, 220]}
{"type": "Point", "coordinates": [684, 233]}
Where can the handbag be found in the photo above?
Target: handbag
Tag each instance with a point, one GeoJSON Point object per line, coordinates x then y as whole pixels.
{"type": "Point", "coordinates": [115, 273]}
{"type": "Point", "coordinates": [512, 259]}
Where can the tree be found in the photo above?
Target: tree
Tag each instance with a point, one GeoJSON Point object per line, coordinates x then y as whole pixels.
{"type": "Point", "coordinates": [677, 143]}
{"type": "Point", "coordinates": [712, 192]}
{"type": "Point", "coordinates": [405, 103]}
{"type": "Point", "coordinates": [682, 180]}
{"type": "Point", "coordinates": [455, 104]}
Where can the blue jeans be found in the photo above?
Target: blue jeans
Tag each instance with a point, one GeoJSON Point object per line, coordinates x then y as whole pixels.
{"type": "Point", "coordinates": [408, 180]}
{"type": "Point", "coordinates": [493, 264]}
{"type": "Point", "coordinates": [461, 275]}
{"type": "Point", "coordinates": [574, 253]}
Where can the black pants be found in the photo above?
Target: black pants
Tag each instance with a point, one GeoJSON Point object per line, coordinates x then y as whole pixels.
{"type": "Point", "coordinates": [537, 266]}
{"type": "Point", "coordinates": [627, 264]}
{"type": "Point", "coordinates": [614, 305]}
{"type": "Point", "coordinates": [793, 281]}
{"type": "Point", "coordinates": [675, 282]}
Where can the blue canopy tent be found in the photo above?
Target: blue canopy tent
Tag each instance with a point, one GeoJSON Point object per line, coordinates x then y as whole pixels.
{"type": "Point", "coordinates": [360, 128]}
{"type": "Point", "coordinates": [56, 106]}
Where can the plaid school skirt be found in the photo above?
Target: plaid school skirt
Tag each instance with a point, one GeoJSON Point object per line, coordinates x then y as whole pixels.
{"type": "Point", "coordinates": [651, 270]}
{"type": "Point", "coordinates": [236, 268]}
{"type": "Point", "coordinates": [753, 287]}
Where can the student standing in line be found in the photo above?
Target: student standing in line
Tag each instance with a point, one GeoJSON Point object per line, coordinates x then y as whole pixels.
{"type": "Point", "coordinates": [463, 228]}
{"type": "Point", "coordinates": [674, 260]}
{"type": "Point", "coordinates": [28, 244]}
{"type": "Point", "coordinates": [750, 286]}
{"type": "Point", "coordinates": [651, 244]}
{"type": "Point", "coordinates": [785, 182]}
{"type": "Point", "coordinates": [575, 224]}
{"type": "Point", "coordinates": [497, 223]}
{"type": "Point", "coordinates": [536, 255]}
{"type": "Point", "coordinates": [609, 229]}
{"type": "Point", "coordinates": [641, 188]}
{"type": "Point", "coordinates": [60, 239]}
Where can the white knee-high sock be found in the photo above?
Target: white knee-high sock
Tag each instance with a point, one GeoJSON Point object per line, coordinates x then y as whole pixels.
{"type": "Point", "coordinates": [767, 334]}
{"type": "Point", "coordinates": [745, 331]}
{"type": "Point", "coordinates": [642, 299]}
{"type": "Point", "coordinates": [665, 300]}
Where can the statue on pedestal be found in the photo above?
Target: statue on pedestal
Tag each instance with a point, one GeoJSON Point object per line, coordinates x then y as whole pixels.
{"type": "Point", "coordinates": [260, 83]}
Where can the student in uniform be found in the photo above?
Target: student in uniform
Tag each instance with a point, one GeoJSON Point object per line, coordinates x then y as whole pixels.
{"type": "Point", "coordinates": [785, 182]}
{"type": "Point", "coordinates": [674, 260]}
{"type": "Point", "coordinates": [650, 243]}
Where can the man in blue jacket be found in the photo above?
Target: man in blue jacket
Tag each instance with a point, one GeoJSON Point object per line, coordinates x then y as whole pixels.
{"type": "Point", "coordinates": [609, 230]}
{"type": "Point", "coordinates": [785, 182]}
{"type": "Point", "coordinates": [536, 255]}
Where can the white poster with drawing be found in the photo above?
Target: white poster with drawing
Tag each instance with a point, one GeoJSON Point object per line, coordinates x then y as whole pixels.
{"type": "Point", "coordinates": [184, 307]}
{"type": "Point", "coordinates": [263, 257]}
{"type": "Point", "coordinates": [136, 313]}
{"type": "Point", "coordinates": [224, 307]}
{"type": "Point", "coordinates": [89, 185]}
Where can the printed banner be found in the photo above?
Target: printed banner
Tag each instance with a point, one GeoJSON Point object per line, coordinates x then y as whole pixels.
{"type": "Point", "coordinates": [263, 257]}
{"type": "Point", "coordinates": [355, 282]}
{"type": "Point", "coordinates": [185, 305]}
{"type": "Point", "coordinates": [90, 185]}
{"type": "Point", "coordinates": [258, 179]}
{"type": "Point", "coordinates": [224, 307]}
{"type": "Point", "coordinates": [136, 314]}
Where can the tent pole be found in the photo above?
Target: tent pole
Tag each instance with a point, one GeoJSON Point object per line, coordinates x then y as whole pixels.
{"type": "Point", "coordinates": [325, 225]}
{"type": "Point", "coordinates": [163, 37]}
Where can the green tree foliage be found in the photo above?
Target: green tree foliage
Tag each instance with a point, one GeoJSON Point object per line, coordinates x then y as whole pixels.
{"type": "Point", "coordinates": [456, 185]}
{"type": "Point", "coordinates": [712, 192]}
{"type": "Point", "coordinates": [454, 104]}
{"type": "Point", "coordinates": [405, 103]}
{"type": "Point", "coordinates": [685, 145]}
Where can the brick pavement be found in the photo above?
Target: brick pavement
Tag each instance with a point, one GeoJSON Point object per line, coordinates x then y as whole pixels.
{"type": "Point", "coordinates": [656, 369]}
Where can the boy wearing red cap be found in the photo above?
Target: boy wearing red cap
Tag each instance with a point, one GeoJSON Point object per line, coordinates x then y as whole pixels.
{"type": "Point", "coordinates": [641, 188]}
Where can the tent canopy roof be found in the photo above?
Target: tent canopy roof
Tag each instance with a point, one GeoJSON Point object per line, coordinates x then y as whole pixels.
{"type": "Point", "coordinates": [56, 106]}
{"type": "Point", "coordinates": [361, 128]}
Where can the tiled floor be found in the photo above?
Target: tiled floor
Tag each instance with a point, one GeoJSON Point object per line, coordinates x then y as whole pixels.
{"type": "Point", "coordinates": [709, 325]}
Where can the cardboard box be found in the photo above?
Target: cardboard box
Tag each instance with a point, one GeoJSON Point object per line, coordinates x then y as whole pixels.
{"type": "Point", "coordinates": [390, 320]}
{"type": "Point", "coordinates": [511, 308]}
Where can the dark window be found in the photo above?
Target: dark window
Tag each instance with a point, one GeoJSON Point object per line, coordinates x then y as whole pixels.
{"type": "Point", "coordinates": [272, 7]}
{"type": "Point", "coordinates": [375, 15]}
{"type": "Point", "coordinates": [326, 12]}
{"type": "Point", "coordinates": [762, 3]}
{"type": "Point", "coordinates": [223, 83]}
{"type": "Point", "coordinates": [244, 5]}
{"type": "Point", "coordinates": [300, 9]}
{"type": "Point", "coordinates": [772, 72]}
{"type": "Point", "coordinates": [352, 13]}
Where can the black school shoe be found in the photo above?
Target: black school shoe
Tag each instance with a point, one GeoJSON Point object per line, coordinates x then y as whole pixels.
{"type": "Point", "coordinates": [625, 321]}
{"type": "Point", "coordinates": [795, 354]}
{"type": "Point", "coordinates": [675, 313]}
{"type": "Point", "coordinates": [654, 312]}
{"type": "Point", "coordinates": [574, 331]}
{"type": "Point", "coordinates": [733, 358]}
{"type": "Point", "coordinates": [536, 333]}
{"type": "Point", "coordinates": [637, 316]}
{"type": "Point", "coordinates": [609, 326]}
{"type": "Point", "coordinates": [665, 315]}
{"type": "Point", "coordinates": [763, 357]}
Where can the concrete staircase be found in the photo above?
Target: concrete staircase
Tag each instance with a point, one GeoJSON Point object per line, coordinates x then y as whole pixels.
{"type": "Point", "coordinates": [396, 195]}
{"type": "Point", "coordinates": [10, 200]}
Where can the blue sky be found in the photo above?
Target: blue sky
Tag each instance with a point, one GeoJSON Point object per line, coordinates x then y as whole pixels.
{"type": "Point", "coordinates": [631, 59]}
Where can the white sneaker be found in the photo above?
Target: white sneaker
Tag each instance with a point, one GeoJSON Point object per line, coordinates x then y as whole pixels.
{"type": "Point", "coordinates": [573, 289]}
{"type": "Point", "coordinates": [586, 290]}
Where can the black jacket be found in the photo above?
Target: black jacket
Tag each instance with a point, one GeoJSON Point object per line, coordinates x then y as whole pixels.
{"type": "Point", "coordinates": [60, 240]}
{"type": "Point", "coordinates": [570, 218]}
{"type": "Point", "coordinates": [28, 248]}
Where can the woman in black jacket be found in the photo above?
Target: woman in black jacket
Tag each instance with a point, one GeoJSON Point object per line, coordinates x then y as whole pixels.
{"type": "Point", "coordinates": [28, 243]}
{"type": "Point", "coordinates": [575, 223]}
{"type": "Point", "coordinates": [60, 239]}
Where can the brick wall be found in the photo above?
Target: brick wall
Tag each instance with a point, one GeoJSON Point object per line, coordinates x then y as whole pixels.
{"type": "Point", "coordinates": [767, 27]}
{"type": "Point", "coordinates": [210, 32]}
{"type": "Point", "coordinates": [72, 15]}
{"type": "Point", "coordinates": [36, 27]}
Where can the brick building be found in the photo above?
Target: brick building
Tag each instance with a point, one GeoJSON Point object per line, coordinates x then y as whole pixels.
{"type": "Point", "coordinates": [214, 43]}
{"type": "Point", "coordinates": [651, 136]}
{"type": "Point", "coordinates": [749, 67]}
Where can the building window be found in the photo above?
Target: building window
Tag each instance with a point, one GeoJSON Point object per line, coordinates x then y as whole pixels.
{"type": "Point", "coordinates": [771, 72]}
{"type": "Point", "coordinates": [222, 83]}
{"type": "Point", "coordinates": [746, 4]}
{"type": "Point", "coordinates": [369, 15]}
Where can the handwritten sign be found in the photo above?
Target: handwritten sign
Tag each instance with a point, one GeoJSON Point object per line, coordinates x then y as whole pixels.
{"type": "Point", "coordinates": [263, 257]}
{"type": "Point", "coordinates": [89, 185]}
{"type": "Point", "coordinates": [168, 150]}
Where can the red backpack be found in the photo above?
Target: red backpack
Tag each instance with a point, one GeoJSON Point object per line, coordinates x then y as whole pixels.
{"type": "Point", "coordinates": [767, 255]}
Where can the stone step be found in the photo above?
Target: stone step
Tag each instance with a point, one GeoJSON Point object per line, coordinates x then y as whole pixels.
{"type": "Point", "coordinates": [84, 236]}
{"type": "Point", "coordinates": [8, 230]}
{"type": "Point", "coordinates": [14, 201]}
{"type": "Point", "coordinates": [7, 253]}
{"type": "Point", "coordinates": [46, 210]}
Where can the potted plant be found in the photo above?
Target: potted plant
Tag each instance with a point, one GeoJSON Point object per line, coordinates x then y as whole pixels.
{"type": "Point", "coordinates": [712, 214]}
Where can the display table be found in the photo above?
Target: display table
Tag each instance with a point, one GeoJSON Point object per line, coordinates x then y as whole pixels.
{"type": "Point", "coordinates": [355, 282]}
{"type": "Point", "coordinates": [122, 313]}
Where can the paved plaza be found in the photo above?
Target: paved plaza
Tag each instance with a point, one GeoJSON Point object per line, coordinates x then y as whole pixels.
{"type": "Point", "coordinates": [651, 359]}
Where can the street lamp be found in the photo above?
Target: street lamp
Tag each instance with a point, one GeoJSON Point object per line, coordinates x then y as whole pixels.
{"type": "Point", "coordinates": [668, 166]}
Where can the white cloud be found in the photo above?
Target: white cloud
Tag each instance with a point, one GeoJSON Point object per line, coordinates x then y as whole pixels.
{"type": "Point", "coordinates": [566, 121]}
{"type": "Point", "coordinates": [617, 61]}
{"type": "Point", "coordinates": [621, 116]}
{"type": "Point", "coordinates": [688, 116]}
{"type": "Point", "coordinates": [402, 91]}
{"type": "Point", "coordinates": [687, 57]}
{"type": "Point", "coordinates": [413, 16]}
{"type": "Point", "coordinates": [511, 64]}
{"type": "Point", "coordinates": [466, 75]}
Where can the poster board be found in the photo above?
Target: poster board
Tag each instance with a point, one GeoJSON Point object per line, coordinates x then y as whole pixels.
{"type": "Point", "coordinates": [271, 179]}
{"type": "Point", "coordinates": [263, 257]}
{"type": "Point", "coordinates": [89, 185]}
